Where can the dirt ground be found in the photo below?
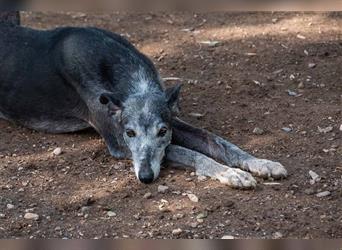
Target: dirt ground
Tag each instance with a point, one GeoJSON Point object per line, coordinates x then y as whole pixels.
{"type": "Point", "coordinates": [265, 70]}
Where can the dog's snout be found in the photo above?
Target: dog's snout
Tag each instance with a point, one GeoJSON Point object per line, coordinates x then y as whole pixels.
{"type": "Point", "coordinates": [146, 176]}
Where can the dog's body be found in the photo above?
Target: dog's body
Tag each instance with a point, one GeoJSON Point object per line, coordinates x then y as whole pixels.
{"type": "Point", "coordinates": [69, 79]}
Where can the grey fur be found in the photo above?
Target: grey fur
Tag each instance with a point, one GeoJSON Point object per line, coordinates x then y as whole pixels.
{"type": "Point", "coordinates": [68, 79]}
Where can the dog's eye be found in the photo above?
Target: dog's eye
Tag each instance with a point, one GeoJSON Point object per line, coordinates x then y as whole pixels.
{"type": "Point", "coordinates": [130, 133]}
{"type": "Point", "coordinates": [162, 132]}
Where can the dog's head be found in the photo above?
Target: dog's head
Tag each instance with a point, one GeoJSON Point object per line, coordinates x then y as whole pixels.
{"type": "Point", "coordinates": [145, 120]}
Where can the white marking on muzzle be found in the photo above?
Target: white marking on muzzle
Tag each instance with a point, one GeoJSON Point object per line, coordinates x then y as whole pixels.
{"type": "Point", "coordinates": [155, 165]}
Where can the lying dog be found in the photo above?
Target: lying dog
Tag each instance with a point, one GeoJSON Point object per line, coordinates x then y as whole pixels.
{"type": "Point", "coordinates": [69, 79]}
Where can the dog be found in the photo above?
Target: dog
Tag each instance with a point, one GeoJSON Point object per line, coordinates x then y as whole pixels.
{"type": "Point", "coordinates": [68, 79]}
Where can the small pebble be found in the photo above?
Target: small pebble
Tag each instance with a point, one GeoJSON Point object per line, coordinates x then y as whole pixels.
{"type": "Point", "coordinates": [301, 85]}
{"type": "Point", "coordinates": [162, 189]}
{"type": "Point", "coordinates": [301, 37]}
{"type": "Point", "coordinates": [291, 93]}
{"type": "Point", "coordinates": [325, 130]}
{"type": "Point", "coordinates": [193, 198]}
{"type": "Point", "coordinates": [210, 43]}
{"type": "Point", "coordinates": [309, 191]}
{"type": "Point", "coordinates": [323, 194]}
{"type": "Point", "coordinates": [177, 231]}
{"type": "Point", "coordinates": [228, 237]}
{"type": "Point", "coordinates": [31, 216]}
{"type": "Point", "coordinates": [57, 151]}
{"type": "Point", "coordinates": [341, 128]}
{"type": "Point", "coordinates": [84, 209]}
{"type": "Point", "coordinates": [202, 216]}
{"type": "Point", "coordinates": [196, 115]}
{"type": "Point", "coordinates": [194, 225]}
{"type": "Point", "coordinates": [2, 216]}
{"type": "Point", "coordinates": [163, 208]}
{"type": "Point", "coordinates": [201, 178]}
{"type": "Point", "coordinates": [148, 195]}
{"type": "Point", "coordinates": [287, 130]}
{"type": "Point", "coordinates": [312, 65]}
{"type": "Point", "coordinates": [111, 214]}
{"type": "Point", "coordinates": [258, 131]}
{"type": "Point", "coordinates": [277, 235]}
{"type": "Point", "coordinates": [10, 206]}
{"type": "Point", "coordinates": [314, 176]}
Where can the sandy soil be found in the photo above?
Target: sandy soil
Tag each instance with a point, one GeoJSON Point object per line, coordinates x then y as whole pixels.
{"type": "Point", "coordinates": [265, 70]}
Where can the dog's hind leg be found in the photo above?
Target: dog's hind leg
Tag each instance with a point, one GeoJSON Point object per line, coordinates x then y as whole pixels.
{"type": "Point", "coordinates": [223, 151]}
{"type": "Point", "coordinates": [177, 155]}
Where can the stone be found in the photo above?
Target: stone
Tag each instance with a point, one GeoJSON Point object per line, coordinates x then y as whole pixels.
{"type": "Point", "coordinates": [312, 65]}
{"type": "Point", "coordinates": [162, 189]}
{"type": "Point", "coordinates": [228, 237]}
{"type": "Point", "coordinates": [325, 130]}
{"type": "Point", "coordinates": [301, 85]}
{"type": "Point", "coordinates": [201, 178]}
{"type": "Point", "coordinates": [194, 225]}
{"type": "Point", "coordinates": [111, 214]}
{"type": "Point", "coordinates": [84, 209]}
{"type": "Point", "coordinates": [57, 151]}
{"type": "Point", "coordinates": [10, 206]}
{"type": "Point", "coordinates": [148, 195]}
{"type": "Point", "coordinates": [291, 93]}
{"type": "Point", "coordinates": [177, 231]}
{"type": "Point", "coordinates": [258, 131]}
{"type": "Point", "coordinates": [323, 194]}
{"type": "Point", "coordinates": [202, 216]}
{"type": "Point", "coordinates": [193, 198]}
{"type": "Point", "coordinates": [309, 191]}
{"type": "Point", "coordinates": [286, 129]}
{"type": "Point", "coordinates": [301, 37]}
{"type": "Point", "coordinates": [314, 176]}
{"type": "Point", "coordinates": [196, 115]}
{"type": "Point", "coordinates": [210, 43]}
{"type": "Point", "coordinates": [31, 216]}
{"type": "Point", "coordinates": [277, 235]}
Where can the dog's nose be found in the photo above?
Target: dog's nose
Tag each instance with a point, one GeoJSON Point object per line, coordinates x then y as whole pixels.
{"type": "Point", "coordinates": [146, 176]}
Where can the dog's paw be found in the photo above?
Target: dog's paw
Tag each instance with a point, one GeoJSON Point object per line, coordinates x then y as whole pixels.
{"type": "Point", "coordinates": [237, 178]}
{"type": "Point", "coordinates": [265, 168]}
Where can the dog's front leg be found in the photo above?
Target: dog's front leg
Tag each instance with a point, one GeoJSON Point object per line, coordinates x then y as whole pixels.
{"type": "Point", "coordinates": [223, 151]}
{"type": "Point", "coordinates": [208, 167]}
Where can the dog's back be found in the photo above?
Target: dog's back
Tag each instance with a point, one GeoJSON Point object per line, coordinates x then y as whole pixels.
{"type": "Point", "coordinates": [42, 73]}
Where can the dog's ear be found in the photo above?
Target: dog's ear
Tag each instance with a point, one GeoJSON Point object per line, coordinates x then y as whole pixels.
{"type": "Point", "coordinates": [172, 95]}
{"type": "Point", "coordinates": [114, 105]}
